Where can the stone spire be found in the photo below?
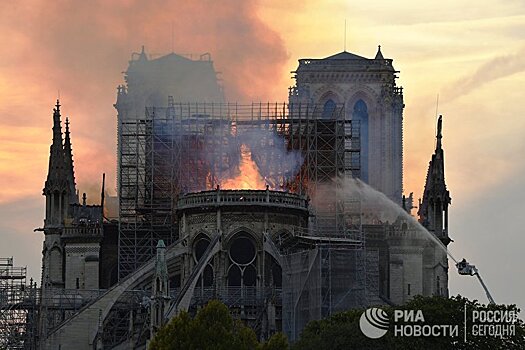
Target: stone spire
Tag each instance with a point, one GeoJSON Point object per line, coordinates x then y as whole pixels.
{"type": "Point", "coordinates": [439, 136]}
{"type": "Point", "coordinates": [56, 182]}
{"type": "Point", "coordinates": [142, 55]}
{"type": "Point", "coordinates": [56, 154]}
{"type": "Point", "coordinates": [70, 170]}
{"type": "Point", "coordinates": [59, 187]}
{"type": "Point", "coordinates": [433, 210]}
{"type": "Point", "coordinates": [379, 55]}
{"type": "Point", "coordinates": [161, 290]}
{"type": "Point", "coordinates": [161, 269]}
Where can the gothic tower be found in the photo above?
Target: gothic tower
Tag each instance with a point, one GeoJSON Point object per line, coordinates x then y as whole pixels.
{"type": "Point", "coordinates": [433, 210]}
{"type": "Point", "coordinates": [433, 215]}
{"type": "Point", "coordinates": [73, 231]}
{"type": "Point", "coordinates": [60, 192]}
{"type": "Point", "coordinates": [373, 102]}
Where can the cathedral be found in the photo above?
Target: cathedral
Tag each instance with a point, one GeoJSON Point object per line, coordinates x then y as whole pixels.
{"type": "Point", "coordinates": [274, 256]}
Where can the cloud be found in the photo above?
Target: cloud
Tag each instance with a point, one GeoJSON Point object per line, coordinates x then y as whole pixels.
{"type": "Point", "coordinates": [496, 68]}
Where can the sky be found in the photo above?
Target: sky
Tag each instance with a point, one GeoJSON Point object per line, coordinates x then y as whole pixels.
{"type": "Point", "coordinates": [470, 53]}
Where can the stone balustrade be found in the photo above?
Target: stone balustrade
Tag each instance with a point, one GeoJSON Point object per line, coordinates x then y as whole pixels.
{"type": "Point", "coordinates": [242, 198]}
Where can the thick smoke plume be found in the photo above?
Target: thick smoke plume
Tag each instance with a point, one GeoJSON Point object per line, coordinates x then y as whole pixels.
{"type": "Point", "coordinates": [79, 49]}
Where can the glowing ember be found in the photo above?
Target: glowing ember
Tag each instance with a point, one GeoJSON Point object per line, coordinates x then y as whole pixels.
{"type": "Point", "coordinates": [249, 176]}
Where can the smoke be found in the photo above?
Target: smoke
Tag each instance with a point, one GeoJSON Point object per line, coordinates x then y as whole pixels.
{"type": "Point", "coordinates": [273, 162]}
{"type": "Point", "coordinates": [111, 206]}
{"type": "Point", "coordinates": [78, 50]}
{"type": "Point", "coordinates": [83, 45]}
{"type": "Point", "coordinates": [498, 67]}
{"type": "Point", "coordinates": [92, 190]}
{"type": "Point", "coordinates": [375, 207]}
{"type": "Point", "coordinates": [226, 154]}
{"type": "Point", "coordinates": [276, 163]}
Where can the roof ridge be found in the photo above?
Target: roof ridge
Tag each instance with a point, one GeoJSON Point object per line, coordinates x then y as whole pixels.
{"type": "Point", "coordinates": [345, 55]}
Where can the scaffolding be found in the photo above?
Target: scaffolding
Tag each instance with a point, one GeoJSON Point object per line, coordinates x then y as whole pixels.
{"type": "Point", "coordinates": [18, 308]}
{"type": "Point", "coordinates": [187, 148]}
{"type": "Point", "coordinates": [192, 147]}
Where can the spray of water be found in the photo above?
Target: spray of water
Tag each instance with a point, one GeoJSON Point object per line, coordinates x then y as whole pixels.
{"type": "Point", "coordinates": [373, 201]}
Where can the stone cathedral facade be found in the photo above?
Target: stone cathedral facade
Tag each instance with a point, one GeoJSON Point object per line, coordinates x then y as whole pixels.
{"type": "Point", "coordinates": [367, 88]}
{"type": "Point", "coordinates": [408, 264]}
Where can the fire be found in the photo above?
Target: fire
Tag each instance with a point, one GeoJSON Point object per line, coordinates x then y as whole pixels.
{"type": "Point", "coordinates": [249, 176]}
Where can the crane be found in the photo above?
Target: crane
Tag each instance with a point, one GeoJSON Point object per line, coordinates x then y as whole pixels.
{"type": "Point", "coordinates": [464, 268]}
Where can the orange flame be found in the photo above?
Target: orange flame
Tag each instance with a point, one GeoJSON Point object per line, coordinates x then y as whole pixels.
{"type": "Point", "coordinates": [249, 176]}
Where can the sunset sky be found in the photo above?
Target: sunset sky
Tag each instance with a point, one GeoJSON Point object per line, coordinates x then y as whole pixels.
{"type": "Point", "coordinates": [471, 53]}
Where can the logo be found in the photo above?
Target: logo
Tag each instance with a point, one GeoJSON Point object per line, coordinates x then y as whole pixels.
{"type": "Point", "coordinates": [374, 323]}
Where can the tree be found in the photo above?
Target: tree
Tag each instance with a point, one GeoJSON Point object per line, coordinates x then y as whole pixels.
{"type": "Point", "coordinates": [212, 328]}
{"type": "Point", "coordinates": [341, 331]}
{"type": "Point", "coordinates": [278, 341]}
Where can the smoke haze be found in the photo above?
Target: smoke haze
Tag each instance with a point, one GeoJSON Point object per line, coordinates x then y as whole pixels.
{"type": "Point", "coordinates": [79, 49]}
{"type": "Point", "coordinates": [226, 154]}
{"type": "Point", "coordinates": [375, 207]}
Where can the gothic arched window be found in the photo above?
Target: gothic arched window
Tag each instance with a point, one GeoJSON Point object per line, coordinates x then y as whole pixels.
{"type": "Point", "coordinates": [329, 109]}
{"type": "Point", "coordinates": [243, 256]}
{"type": "Point", "coordinates": [361, 115]}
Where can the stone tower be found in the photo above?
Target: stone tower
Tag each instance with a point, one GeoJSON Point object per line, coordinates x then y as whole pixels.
{"type": "Point", "coordinates": [73, 231]}
{"type": "Point", "coordinates": [149, 82]}
{"type": "Point", "coordinates": [60, 192]}
{"type": "Point", "coordinates": [433, 210]}
{"type": "Point", "coordinates": [367, 88]}
{"type": "Point", "coordinates": [433, 215]}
